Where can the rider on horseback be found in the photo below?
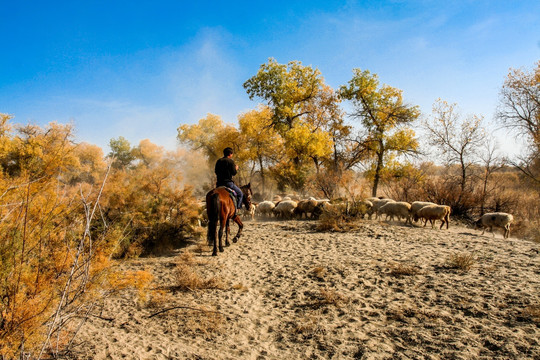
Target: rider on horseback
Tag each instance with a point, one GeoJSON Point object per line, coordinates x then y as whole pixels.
{"type": "Point", "coordinates": [225, 170]}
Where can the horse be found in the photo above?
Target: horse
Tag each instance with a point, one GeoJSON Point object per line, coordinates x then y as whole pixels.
{"type": "Point", "coordinates": [220, 207]}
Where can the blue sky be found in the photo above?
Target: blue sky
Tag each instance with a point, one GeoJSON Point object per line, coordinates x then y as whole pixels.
{"type": "Point", "coordinates": [139, 69]}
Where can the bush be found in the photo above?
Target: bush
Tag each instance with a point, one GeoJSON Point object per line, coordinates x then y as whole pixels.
{"type": "Point", "coordinates": [63, 215]}
{"type": "Point", "coordinates": [52, 262]}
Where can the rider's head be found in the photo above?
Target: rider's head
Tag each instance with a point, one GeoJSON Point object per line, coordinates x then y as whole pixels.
{"type": "Point", "coordinates": [227, 152]}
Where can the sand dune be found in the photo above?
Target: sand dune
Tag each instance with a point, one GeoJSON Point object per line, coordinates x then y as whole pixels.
{"type": "Point", "coordinates": [288, 292]}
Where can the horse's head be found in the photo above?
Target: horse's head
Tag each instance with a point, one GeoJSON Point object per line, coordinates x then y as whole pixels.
{"type": "Point", "coordinates": [246, 190]}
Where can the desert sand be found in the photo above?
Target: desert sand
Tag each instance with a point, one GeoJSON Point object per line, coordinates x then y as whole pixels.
{"type": "Point", "coordinates": [286, 291]}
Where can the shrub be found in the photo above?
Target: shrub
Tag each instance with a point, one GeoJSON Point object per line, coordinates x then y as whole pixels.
{"type": "Point", "coordinates": [463, 262]}
{"type": "Point", "coordinates": [335, 219]}
{"type": "Point", "coordinates": [63, 215]}
{"type": "Point", "coordinates": [52, 261]}
{"type": "Point", "coordinates": [145, 202]}
{"type": "Point", "coordinates": [401, 269]}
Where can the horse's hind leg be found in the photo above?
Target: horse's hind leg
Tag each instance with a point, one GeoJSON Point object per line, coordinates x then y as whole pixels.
{"type": "Point", "coordinates": [227, 232]}
{"type": "Point", "coordinates": [220, 235]}
{"type": "Point", "coordinates": [240, 227]}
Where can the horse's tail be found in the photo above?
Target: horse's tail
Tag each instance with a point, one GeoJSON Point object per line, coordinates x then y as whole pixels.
{"type": "Point", "coordinates": [212, 210]}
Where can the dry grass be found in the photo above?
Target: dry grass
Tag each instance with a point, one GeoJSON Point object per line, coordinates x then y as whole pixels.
{"type": "Point", "coordinates": [318, 272]}
{"type": "Point", "coordinates": [529, 230]}
{"type": "Point", "coordinates": [187, 258]}
{"type": "Point", "coordinates": [532, 312]}
{"type": "Point", "coordinates": [203, 322]}
{"type": "Point", "coordinates": [240, 287]}
{"type": "Point", "coordinates": [335, 220]}
{"type": "Point", "coordinates": [202, 247]}
{"type": "Point", "coordinates": [188, 279]}
{"type": "Point", "coordinates": [402, 269]}
{"type": "Point", "coordinates": [308, 327]}
{"type": "Point", "coordinates": [463, 262]}
{"type": "Point", "coordinates": [326, 298]}
{"type": "Point", "coordinates": [331, 297]}
{"type": "Point", "coordinates": [406, 312]}
{"type": "Point", "coordinates": [158, 299]}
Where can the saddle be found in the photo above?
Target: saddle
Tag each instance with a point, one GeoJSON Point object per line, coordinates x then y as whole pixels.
{"type": "Point", "coordinates": [232, 195]}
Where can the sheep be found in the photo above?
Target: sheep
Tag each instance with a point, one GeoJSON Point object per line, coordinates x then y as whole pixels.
{"type": "Point", "coordinates": [373, 201]}
{"type": "Point", "coordinates": [498, 219]}
{"type": "Point", "coordinates": [284, 209]}
{"type": "Point", "coordinates": [417, 205]}
{"type": "Point", "coordinates": [433, 213]}
{"type": "Point", "coordinates": [249, 212]}
{"type": "Point", "coordinates": [399, 209]}
{"type": "Point", "coordinates": [378, 205]}
{"type": "Point", "coordinates": [265, 208]}
{"type": "Point", "coordinates": [305, 207]}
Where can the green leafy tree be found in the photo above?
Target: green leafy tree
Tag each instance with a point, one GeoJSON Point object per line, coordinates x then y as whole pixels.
{"type": "Point", "coordinates": [296, 96]}
{"type": "Point", "coordinates": [287, 89]}
{"type": "Point", "coordinates": [121, 152]}
{"type": "Point", "coordinates": [383, 114]}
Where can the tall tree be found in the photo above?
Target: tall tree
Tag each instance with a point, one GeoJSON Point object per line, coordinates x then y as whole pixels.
{"type": "Point", "coordinates": [121, 152]}
{"type": "Point", "coordinates": [519, 110]}
{"type": "Point", "coordinates": [384, 115]}
{"type": "Point", "coordinates": [287, 89]}
{"type": "Point", "coordinates": [261, 143]}
{"type": "Point", "coordinates": [457, 139]}
{"type": "Point", "coordinates": [491, 162]}
{"type": "Point", "coordinates": [292, 92]}
{"type": "Point", "coordinates": [211, 135]}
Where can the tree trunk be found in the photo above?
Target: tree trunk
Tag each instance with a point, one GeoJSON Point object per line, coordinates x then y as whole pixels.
{"type": "Point", "coordinates": [263, 181]}
{"type": "Point", "coordinates": [380, 156]}
{"type": "Point", "coordinates": [484, 193]}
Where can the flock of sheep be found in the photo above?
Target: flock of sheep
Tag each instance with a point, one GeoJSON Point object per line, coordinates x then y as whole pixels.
{"type": "Point", "coordinates": [290, 207]}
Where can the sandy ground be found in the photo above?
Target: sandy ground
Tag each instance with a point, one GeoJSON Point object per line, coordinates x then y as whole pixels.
{"type": "Point", "coordinates": [381, 291]}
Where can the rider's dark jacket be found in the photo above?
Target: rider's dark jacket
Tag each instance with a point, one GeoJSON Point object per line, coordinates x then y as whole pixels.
{"type": "Point", "coordinates": [225, 170]}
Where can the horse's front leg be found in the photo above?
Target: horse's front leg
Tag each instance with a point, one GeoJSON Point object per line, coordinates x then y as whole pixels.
{"type": "Point", "coordinates": [227, 232]}
{"type": "Point", "coordinates": [240, 227]}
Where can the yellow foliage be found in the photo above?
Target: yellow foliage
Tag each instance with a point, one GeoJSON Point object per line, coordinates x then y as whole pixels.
{"type": "Point", "coordinates": [59, 229]}
{"type": "Point", "coordinates": [211, 135]}
{"type": "Point", "coordinates": [139, 280]}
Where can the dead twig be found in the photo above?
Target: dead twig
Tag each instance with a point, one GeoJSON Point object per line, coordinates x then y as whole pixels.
{"type": "Point", "coordinates": [182, 307]}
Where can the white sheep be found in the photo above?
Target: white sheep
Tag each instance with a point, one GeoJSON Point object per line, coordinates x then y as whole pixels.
{"type": "Point", "coordinates": [401, 209]}
{"type": "Point", "coordinates": [265, 208]}
{"type": "Point", "coordinates": [435, 212]}
{"type": "Point", "coordinates": [249, 212]}
{"type": "Point", "coordinates": [285, 209]}
{"type": "Point", "coordinates": [373, 201]}
{"type": "Point", "coordinates": [379, 204]}
{"type": "Point", "coordinates": [498, 219]}
{"type": "Point", "coordinates": [417, 205]}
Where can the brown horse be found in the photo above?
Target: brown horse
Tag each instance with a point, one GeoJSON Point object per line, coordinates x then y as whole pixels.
{"type": "Point", "coordinates": [220, 207]}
